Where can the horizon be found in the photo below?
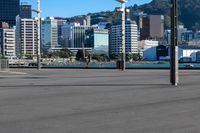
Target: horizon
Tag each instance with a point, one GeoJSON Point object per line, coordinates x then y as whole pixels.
{"type": "Point", "coordinates": [68, 9]}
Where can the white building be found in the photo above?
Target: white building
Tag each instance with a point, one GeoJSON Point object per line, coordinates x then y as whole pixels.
{"type": "Point", "coordinates": [131, 34]}
{"type": "Point", "coordinates": [149, 49]}
{"type": "Point", "coordinates": [49, 33]}
{"type": "Point", "coordinates": [26, 37]}
{"type": "Point", "coordinates": [149, 44]}
{"type": "Point", "coordinates": [188, 53]}
{"type": "Point", "coordinates": [7, 42]}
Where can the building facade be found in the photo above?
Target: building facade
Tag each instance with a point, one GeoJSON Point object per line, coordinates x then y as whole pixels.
{"type": "Point", "coordinates": [98, 40]}
{"type": "Point", "coordinates": [142, 24]}
{"type": "Point", "coordinates": [156, 26]}
{"type": "Point", "coordinates": [152, 27]}
{"type": "Point", "coordinates": [115, 39]}
{"type": "Point", "coordinates": [74, 35]}
{"type": "Point", "coordinates": [7, 42]}
{"type": "Point", "coordinates": [9, 9]}
{"type": "Point", "coordinates": [60, 23]}
{"type": "Point", "coordinates": [26, 34]}
{"type": "Point", "coordinates": [49, 34]}
{"type": "Point", "coordinates": [25, 10]}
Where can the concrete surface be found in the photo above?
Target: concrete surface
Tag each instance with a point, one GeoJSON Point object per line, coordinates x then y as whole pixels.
{"type": "Point", "coordinates": [99, 101]}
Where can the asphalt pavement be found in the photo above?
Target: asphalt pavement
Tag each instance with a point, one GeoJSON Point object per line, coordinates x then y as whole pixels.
{"type": "Point", "coordinates": [99, 101]}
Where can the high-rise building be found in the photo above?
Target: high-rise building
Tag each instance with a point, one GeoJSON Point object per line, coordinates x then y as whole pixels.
{"type": "Point", "coordinates": [131, 36]}
{"type": "Point", "coordinates": [7, 42]}
{"type": "Point", "coordinates": [3, 25]}
{"type": "Point", "coordinates": [26, 37]}
{"type": "Point", "coordinates": [156, 26]}
{"type": "Point", "coordinates": [98, 40]}
{"type": "Point", "coordinates": [144, 28]}
{"type": "Point", "coordinates": [49, 33]}
{"type": "Point", "coordinates": [139, 17]}
{"type": "Point", "coordinates": [152, 27]}
{"type": "Point", "coordinates": [60, 23]}
{"type": "Point", "coordinates": [25, 10]}
{"type": "Point", "coordinates": [9, 9]}
{"type": "Point", "coordinates": [74, 34]}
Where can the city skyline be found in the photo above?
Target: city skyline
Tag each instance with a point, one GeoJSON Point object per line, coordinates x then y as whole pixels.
{"type": "Point", "coordinates": [73, 8]}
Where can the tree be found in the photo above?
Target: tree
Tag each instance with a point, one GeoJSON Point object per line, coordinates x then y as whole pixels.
{"type": "Point", "coordinates": [2, 57]}
{"type": "Point", "coordinates": [63, 53]}
{"type": "Point", "coordinates": [80, 54]}
{"type": "Point", "coordinates": [28, 56]}
{"type": "Point", "coordinates": [101, 57]}
{"type": "Point", "coordinates": [134, 57]}
{"type": "Point", "coordinates": [115, 56]}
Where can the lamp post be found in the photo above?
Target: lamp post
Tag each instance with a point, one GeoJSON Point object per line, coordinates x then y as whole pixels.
{"type": "Point", "coordinates": [38, 11]}
{"type": "Point", "coordinates": [174, 68]}
{"type": "Point", "coordinates": [38, 49]}
{"type": "Point", "coordinates": [123, 11]}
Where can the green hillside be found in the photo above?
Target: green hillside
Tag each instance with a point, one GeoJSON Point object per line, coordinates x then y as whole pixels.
{"type": "Point", "coordinates": [189, 13]}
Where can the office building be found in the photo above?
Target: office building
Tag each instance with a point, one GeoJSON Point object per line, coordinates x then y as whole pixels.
{"type": "Point", "coordinates": [98, 40]}
{"type": "Point", "coordinates": [131, 35]}
{"type": "Point", "coordinates": [144, 27]}
{"type": "Point", "coordinates": [181, 29]}
{"type": "Point", "coordinates": [60, 23]}
{"type": "Point", "coordinates": [49, 33]}
{"type": "Point", "coordinates": [7, 42]}
{"type": "Point", "coordinates": [26, 37]}
{"type": "Point", "coordinates": [74, 35]}
{"type": "Point", "coordinates": [140, 21]}
{"type": "Point", "coordinates": [152, 27]}
{"type": "Point", "coordinates": [3, 25]}
{"type": "Point", "coordinates": [156, 26]}
{"type": "Point", "coordinates": [9, 9]}
{"type": "Point", "coordinates": [187, 36]}
{"type": "Point", "coordinates": [25, 10]}
{"type": "Point", "coordinates": [145, 47]}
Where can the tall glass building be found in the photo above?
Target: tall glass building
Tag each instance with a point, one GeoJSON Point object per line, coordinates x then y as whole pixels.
{"type": "Point", "coordinates": [25, 10]}
{"type": "Point", "coordinates": [9, 9]}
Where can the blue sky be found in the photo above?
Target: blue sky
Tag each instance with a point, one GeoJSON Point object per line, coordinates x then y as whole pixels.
{"type": "Point", "coordinates": [67, 8]}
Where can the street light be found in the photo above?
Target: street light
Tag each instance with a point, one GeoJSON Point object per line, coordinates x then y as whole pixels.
{"type": "Point", "coordinates": [174, 68]}
{"type": "Point", "coordinates": [123, 11]}
{"type": "Point", "coordinates": [38, 11]}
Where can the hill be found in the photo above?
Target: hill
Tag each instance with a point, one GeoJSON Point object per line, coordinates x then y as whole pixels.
{"type": "Point", "coordinates": [188, 13]}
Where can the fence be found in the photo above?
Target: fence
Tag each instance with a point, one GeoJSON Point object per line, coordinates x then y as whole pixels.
{"type": "Point", "coordinates": [4, 65]}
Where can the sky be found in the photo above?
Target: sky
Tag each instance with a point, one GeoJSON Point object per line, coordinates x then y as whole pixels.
{"type": "Point", "coordinates": [69, 8]}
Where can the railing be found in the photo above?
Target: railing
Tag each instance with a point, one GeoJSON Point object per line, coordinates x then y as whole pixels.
{"type": "Point", "coordinates": [4, 65]}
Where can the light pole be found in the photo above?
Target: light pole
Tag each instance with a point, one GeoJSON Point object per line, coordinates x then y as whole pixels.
{"type": "Point", "coordinates": [38, 11]}
{"type": "Point", "coordinates": [174, 67]}
{"type": "Point", "coordinates": [123, 11]}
